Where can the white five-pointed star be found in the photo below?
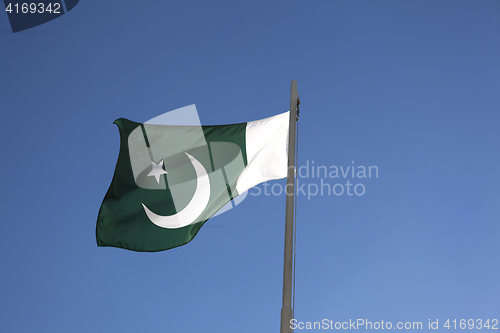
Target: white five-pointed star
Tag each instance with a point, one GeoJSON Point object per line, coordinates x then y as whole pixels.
{"type": "Point", "coordinates": [157, 170]}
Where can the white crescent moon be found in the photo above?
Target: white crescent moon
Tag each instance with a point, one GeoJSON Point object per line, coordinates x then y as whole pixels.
{"type": "Point", "coordinates": [195, 207]}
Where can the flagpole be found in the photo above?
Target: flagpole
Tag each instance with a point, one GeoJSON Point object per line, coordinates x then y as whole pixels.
{"type": "Point", "coordinates": [286, 310]}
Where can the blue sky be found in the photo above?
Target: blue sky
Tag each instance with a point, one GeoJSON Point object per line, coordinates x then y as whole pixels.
{"type": "Point", "coordinates": [411, 87]}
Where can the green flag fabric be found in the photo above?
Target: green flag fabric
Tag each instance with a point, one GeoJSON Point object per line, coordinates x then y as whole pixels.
{"type": "Point", "coordinates": [169, 180]}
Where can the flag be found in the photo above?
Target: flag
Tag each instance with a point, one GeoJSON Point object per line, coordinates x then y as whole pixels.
{"type": "Point", "coordinates": [169, 180]}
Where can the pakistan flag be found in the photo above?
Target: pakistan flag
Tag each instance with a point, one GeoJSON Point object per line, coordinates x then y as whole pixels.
{"type": "Point", "coordinates": [169, 180]}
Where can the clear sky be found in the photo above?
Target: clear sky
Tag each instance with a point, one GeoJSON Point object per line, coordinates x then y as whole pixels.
{"type": "Point", "coordinates": [411, 87]}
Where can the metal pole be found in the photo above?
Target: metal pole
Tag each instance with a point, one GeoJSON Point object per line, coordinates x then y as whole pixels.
{"type": "Point", "coordinates": [286, 310]}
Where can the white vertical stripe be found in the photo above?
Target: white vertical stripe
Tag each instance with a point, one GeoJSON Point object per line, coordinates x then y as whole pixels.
{"type": "Point", "coordinates": [267, 151]}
